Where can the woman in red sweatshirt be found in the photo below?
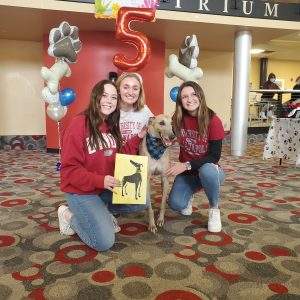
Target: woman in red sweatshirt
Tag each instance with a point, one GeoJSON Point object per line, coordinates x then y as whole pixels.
{"type": "Point", "coordinates": [89, 146]}
{"type": "Point", "coordinates": [200, 133]}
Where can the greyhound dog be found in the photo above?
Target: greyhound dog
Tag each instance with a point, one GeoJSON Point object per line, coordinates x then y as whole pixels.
{"type": "Point", "coordinates": [135, 178]}
{"type": "Point", "coordinates": [155, 145]}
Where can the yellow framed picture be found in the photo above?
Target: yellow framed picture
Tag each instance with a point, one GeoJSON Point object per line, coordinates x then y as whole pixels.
{"type": "Point", "coordinates": [131, 170]}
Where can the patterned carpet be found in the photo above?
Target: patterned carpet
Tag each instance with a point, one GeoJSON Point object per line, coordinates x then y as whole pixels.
{"type": "Point", "coordinates": [257, 256]}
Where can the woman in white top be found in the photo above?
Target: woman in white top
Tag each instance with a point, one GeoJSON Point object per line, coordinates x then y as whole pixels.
{"type": "Point", "coordinates": [134, 113]}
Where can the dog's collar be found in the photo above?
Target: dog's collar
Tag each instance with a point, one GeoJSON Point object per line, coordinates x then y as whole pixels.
{"type": "Point", "coordinates": [155, 146]}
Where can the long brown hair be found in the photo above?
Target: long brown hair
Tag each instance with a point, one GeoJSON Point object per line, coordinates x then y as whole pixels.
{"type": "Point", "coordinates": [140, 103]}
{"type": "Point", "coordinates": [95, 119]}
{"type": "Point", "coordinates": [204, 114]}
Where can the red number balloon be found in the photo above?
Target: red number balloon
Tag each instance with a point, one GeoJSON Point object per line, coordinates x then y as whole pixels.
{"type": "Point", "coordinates": [123, 32]}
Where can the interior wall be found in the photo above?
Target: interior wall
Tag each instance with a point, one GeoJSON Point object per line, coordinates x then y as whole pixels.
{"type": "Point", "coordinates": [216, 82]}
{"type": "Point", "coordinates": [95, 61]}
{"type": "Point", "coordinates": [22, 112]}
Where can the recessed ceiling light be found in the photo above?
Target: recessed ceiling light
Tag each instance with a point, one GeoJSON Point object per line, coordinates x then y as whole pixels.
{"type": "Point", "coordinates": [256, 51]}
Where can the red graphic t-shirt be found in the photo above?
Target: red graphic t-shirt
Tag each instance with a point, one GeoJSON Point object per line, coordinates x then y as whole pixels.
{"type": "Point", "coordinates": [192, 145]}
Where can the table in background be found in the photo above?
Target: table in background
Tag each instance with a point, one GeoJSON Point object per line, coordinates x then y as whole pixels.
{"type": "Point", "coordinates": [279, 99]}
{"type": "Point", "coordinates": [283, 140]}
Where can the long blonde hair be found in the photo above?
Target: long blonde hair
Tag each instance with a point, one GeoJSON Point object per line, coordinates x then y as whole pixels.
{"type": "Point", "coordinates": [204, 113]}
{"type": "Point", "coordinates": [140, 103]}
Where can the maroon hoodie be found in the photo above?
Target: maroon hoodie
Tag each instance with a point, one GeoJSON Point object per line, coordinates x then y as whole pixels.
{"type": "Point", "coordinates": [83, 169]}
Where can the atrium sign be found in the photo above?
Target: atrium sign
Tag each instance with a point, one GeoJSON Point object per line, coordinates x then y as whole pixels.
{"type": "Point", "coordinates": [237, 8]}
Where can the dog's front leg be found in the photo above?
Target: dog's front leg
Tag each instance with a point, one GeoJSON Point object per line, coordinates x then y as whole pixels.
{"type": "Point", "coordinates": [165, 187]}
{"type": "Point", "coordinates": [152, 227]}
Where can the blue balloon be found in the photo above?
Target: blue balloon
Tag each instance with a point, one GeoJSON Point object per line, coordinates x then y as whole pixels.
{"type": "Point", "coordinates": [174, 93]}
{"type": "Point", "coordinates": [67, 96]}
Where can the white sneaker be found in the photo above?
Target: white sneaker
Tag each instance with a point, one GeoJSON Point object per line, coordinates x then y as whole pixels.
{"type": "Point", "coordinates": [189, 209]}
{"type": "Point", "coordinates": [115, 223]}
{"type": "Point", "coordinates": [262, 115]}
{"type": "Point", "coordinates": [214, 220]}
{"type": "Point", "coordinates": [64, 226]}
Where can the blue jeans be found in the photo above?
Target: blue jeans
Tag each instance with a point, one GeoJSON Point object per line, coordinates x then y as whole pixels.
{"type": "Point", "coordinates": [92, 220]}
{"type": "Point", "coordinates": [209, 176]}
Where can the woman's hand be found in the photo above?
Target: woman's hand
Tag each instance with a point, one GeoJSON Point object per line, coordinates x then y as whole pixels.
{"type": "Point", "coordinates": [110, 182]}
{"type": "Point", "coordinates": [143, 132]}
{"type": "Point", "coordinates": [176, 169]}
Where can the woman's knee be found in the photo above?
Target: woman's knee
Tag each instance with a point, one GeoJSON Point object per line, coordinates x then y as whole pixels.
{"type": "Point", "coordinates": [175, 203]}
{"type": "Point", "coordinates": [208, 170]}
{"type": "Point", "coordinates": [104, 243]}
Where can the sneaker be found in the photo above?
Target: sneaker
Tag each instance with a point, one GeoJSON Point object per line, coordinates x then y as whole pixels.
{"type": "Point", "coordinates": [115, 223]}
{"type": "Point", "coordinates": [64, 226]}
{"type": "Point", "coordinates": [214, 220]}
{"type": "Point", "coordinates": [262, 115]}
{"type": "Point", "coordinates": [189, 209]}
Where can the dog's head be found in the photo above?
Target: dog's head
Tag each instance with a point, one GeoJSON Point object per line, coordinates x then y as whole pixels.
{"type": "Point", "coordinates": [161, 126]}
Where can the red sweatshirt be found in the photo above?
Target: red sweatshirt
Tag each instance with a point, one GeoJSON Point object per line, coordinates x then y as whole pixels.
{"type": "Point", "coordinates": [193, 146]}
{"type": "Point", "coordinates": [83, 169]}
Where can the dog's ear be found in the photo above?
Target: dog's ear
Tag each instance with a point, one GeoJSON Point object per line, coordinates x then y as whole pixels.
{"type": "Point", "coordinates": [151, 119]}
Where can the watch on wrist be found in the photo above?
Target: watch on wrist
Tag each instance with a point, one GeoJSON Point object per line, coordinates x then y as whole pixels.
{"type": "Point", "coordinates": [188, 165]}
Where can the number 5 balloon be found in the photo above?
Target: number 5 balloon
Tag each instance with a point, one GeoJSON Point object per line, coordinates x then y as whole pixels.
{"type": "Point", "coordinates": [123, 32]}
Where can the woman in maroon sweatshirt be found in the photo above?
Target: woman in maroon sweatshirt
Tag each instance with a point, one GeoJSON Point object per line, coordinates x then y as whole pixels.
{"type": "Point", "coordinates": [89, 146]}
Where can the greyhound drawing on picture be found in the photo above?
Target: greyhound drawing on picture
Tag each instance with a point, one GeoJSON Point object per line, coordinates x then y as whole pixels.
{"type": "Point", "coordinates": [135, 178]}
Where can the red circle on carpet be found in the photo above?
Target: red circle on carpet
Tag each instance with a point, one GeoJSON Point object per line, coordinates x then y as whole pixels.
{"type": "Point", "coordinates": [6, 194]}
{"type": "Point", "coordinates": [134, 271]}
{"type": "Point", "coordinates": [279, 201]}
{"type": "Point", "coordinates": [177, 295]}
{"type": "Point", "coordinates": [242, 218]}
{"type": "Point", "coordinates": [18, 276]}
{"type": "Point", "coordinates": [103, 276]}
{"type": "Point", "coordinates": [267, 184]}
{"type": "Point", "coordinates": [133, 229]}
{"type": "Point", "coordinates": [24, 180]}
{"type": "Point", "coordinates": [254, 255]}
{"type": "Point", "coordinates": [13, 202]}
{"type": "Point", "coordinates": [61, 254]}
{"type": "Point", "coordinates": [249, 193]}
{"type": "Point", "coordinates": [6, 240]}
{"type": "Point", "coordinates": [278, 251]}
{"type": "Point", "coordinates": [278, 288]}
{"type": "Point", "coordinates": [201, 238]}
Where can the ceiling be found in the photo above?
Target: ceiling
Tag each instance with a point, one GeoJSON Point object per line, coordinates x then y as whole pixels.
{"type": "Point", "coordinates": [31, 24]}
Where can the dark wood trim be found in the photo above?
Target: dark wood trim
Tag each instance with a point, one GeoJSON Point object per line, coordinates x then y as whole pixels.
{"type": "Point", "coordinates": [52, 150]}
{"type": "Point", "coordinates": [258, 130]}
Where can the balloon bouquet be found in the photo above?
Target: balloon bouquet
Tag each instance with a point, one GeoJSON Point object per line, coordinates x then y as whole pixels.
{"type": "Point", "coordinates": [185, 65]}
{"type": "Point", "coordinates": [64, 46]}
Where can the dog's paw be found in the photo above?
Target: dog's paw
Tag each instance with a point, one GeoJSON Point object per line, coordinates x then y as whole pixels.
{"type": "Point", "coordinates": [189, 52]}
{"type": "Point", "coordinates": [160, 222]}
{"type": "Point", "coordinates": [152, 228]}
{"type": "Point", "coordinates": [64, 42]}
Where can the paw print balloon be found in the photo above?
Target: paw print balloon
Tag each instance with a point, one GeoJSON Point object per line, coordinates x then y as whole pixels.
{"type": "Point", "coordinates": [64, 42]}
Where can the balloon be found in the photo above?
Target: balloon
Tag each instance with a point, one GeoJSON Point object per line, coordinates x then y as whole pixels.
{"type": "Point", "coordinates": [123, 32]}
{"type": "Point", "coordinates": [54, 74]}
{"type": "Point", "coordinates": [174, 93]}
{"type": "Point", "coordinates": [182, 72]}
{"type": "Point", "coordinates": [64, 42]}
{"type": "Point", "coordinates": [56, 112]}
{"type": "Point", "coordinates": [189, 52]}
{"type": "Point", "coordinates": [67, 96]}
{"type": "Point", "coordinates": [48, 97]}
